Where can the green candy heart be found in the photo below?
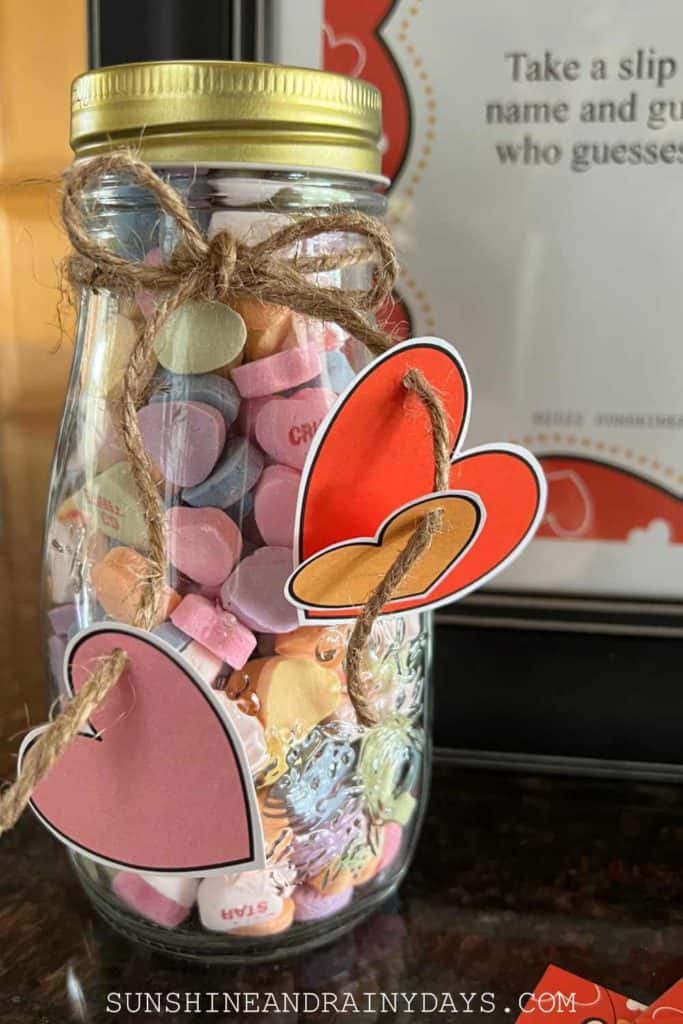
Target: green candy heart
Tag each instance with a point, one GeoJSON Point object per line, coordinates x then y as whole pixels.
{"type": "Point", "coordinates": [112, 502]}
{"type": "Point", "coordinates": [200, 336]}
{"type": "Point", "coordinates": [388, 766]}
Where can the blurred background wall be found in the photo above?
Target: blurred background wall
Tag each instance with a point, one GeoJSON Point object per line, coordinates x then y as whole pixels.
{"type": "Point", "coordinates": [42, 47]}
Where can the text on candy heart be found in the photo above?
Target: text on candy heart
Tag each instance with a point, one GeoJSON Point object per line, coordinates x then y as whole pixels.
{"type": "Point", "coordinates": [303, 433]}
{"type": "Point", "coordinates": [246, 910]}
{"type": "Point", "coordinates": [109, 512]}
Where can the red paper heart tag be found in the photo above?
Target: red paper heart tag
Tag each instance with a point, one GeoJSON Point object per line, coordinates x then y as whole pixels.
{"type": "Point", "coordinates": [562, 996]}
{"type": "Point", "coordinates": [372, 462]}
{"type": "Point", "coordinates": [160, 782]}
{"type": "Point", "coordinates": [667, 1009]}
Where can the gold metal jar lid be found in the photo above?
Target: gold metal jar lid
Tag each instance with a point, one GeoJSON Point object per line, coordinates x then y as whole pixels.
{"type": "Point", "coordinates": [218, 112]}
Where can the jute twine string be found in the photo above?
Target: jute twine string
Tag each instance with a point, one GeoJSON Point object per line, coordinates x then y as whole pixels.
{"type": "Point", "coordinates": [223, 269]}
{"type": "Point", "coordinates": [42, 754]}
{"type": "Point", "coordinates": [428, 526]}
{"type": "Point", "coordinates": [226, 268]}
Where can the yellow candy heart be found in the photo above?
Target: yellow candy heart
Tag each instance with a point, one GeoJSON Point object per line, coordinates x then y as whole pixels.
{"type": "Point", "coordinates": [296, 694]}
{"type": "Point", "coordinates": [200, 336]}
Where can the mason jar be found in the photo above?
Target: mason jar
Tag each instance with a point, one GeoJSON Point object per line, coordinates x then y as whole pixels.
{"type": "Point", "coordinates": [248, 148]}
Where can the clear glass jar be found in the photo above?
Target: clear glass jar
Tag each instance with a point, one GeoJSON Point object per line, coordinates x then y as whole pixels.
{"type": "Point", "coordinates": [340, 804]}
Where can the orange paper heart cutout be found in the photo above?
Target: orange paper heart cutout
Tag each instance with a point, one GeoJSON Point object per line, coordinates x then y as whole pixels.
{"type": "Point", "coordinates": [345, 575]}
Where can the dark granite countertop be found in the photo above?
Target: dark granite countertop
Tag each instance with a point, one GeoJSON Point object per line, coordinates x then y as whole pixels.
{"type": "Point", "coordinates": [513, 872]}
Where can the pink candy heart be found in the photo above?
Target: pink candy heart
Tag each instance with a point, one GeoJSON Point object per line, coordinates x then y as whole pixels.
{"type": "Point", "coordinates": [275, 497]}
{"type": "Point", "coordinates": [217, 630]}
{"type": "Point", "coordinates": [286, 369]}
{"type": "Point", "coordinates": [285, 426]}
{"type": "Point", "coordinates": [203, 543]}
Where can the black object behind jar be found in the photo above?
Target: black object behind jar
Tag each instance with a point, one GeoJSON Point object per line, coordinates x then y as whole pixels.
{"type": "Point", "coordinates": [125, 31]}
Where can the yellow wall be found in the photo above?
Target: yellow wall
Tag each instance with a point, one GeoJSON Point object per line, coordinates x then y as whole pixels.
{"type": "Point", "coordinates": [42, 47]}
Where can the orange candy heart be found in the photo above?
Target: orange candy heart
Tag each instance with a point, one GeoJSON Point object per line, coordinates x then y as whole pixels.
{"type": "Point", "coordinates": [117, 580]}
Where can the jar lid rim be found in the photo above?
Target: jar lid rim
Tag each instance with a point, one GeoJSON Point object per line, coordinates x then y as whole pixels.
{"type": "Point", "coordinates": [228, 111]}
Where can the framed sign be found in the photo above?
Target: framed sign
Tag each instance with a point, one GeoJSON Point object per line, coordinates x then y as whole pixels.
{"type": "Point", "coordinates": [536, 156]}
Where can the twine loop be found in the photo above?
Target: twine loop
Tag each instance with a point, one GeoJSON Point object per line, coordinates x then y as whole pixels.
{"type": "Point", "coordinates": [429, 525]}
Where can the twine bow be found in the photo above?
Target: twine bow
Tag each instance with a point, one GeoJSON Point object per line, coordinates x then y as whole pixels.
{"type": "Point", "coordinates": [221, 269]}
{"type": "Point", "coordinates": [225, 268]}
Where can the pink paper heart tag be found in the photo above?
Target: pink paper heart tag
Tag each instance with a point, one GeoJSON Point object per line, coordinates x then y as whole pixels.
{"type": "Point", "coordinates": [160, 781]}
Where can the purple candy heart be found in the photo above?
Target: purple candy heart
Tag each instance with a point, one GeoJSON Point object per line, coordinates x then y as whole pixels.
{"type": "Point", "coordinates": [254, 592]}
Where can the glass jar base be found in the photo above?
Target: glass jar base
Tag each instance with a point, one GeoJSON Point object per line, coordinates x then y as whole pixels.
{"type": "Point", "coordinates": [214, 948]}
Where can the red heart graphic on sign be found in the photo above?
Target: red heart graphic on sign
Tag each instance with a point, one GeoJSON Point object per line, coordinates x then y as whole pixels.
{"type": "Point", "coordinates": [374, 455]}
{"type": "Point", "coordinates": [161, 783]}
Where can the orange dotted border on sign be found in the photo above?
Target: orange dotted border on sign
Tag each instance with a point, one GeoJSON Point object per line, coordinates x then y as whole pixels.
{"type": "Point", "coordinates": [421, 302]}
{"type": "Point", "coordinates": [425, 150]}
{"type": "Point", "coordinates": [638, 459]}
{"type": "Point", "coordinates": [419, 295]}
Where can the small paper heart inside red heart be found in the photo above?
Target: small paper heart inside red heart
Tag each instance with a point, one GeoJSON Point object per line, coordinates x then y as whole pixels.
{"type": "Point", "coordinates": [161, 787]}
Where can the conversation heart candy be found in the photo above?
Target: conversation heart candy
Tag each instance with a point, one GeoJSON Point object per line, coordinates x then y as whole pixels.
{"type": "Point", "coordinates": [248, 414]}
{"type": "Point", "coordinates": [255, 591]}
{"type": "Point", "coordinates": [337, 372]}
{"type": "Point", "coordinates": [200, 336]}
{"type": "Point", "coordinates": [61, 618]}
{"type": "Point", "coordinates": [215, 628]}
{"type": "Point", "coordinates": [312, 905]}
{"type": "Point", "coordinates": [207, 388]}
{"type": "Point", "coordinates": [296, 694]}
{"type": "Point", "coordinates": [171, 635]}
{"type": "Point", "coordinates": [274, 925]}
{"type": "Point", "coordinates": [250, 731]}
{"type": "Point", "coordinates": [106, 380]}
{"type": "Point", "coordinates": [118, 583]}
{"type": "Point", "coordinates": [56, 649]}
{"type": "Point", "coordinates": [285, 427]}
{"type": "Point", "coordinates": [241, 684]}
{"type": "Point", "coordinates": [111, 501]}
{"type": "Point", "coordinates": [362, 860]}
{"type": "Point", "coordinates": [278, 372]}
{"type": "Point", "coordinates": [321, 788]}
{"type": "Point", "coordinates": [207, 665]}
{"type": "Point", "coordinates": [183, 438]}
{"type": "Point", "coordinates": [227, 901]}
{"type": "Point", "coordinates": [242, 508]}
{"type": "Point", "coordinates": [314, 847]}
{"type": "Point", "coordinates": [275, 821]}
{"type": "Point", "coordinates": [332, 878]}
{"type": "Point", "coordinates": [236, 472]}
{"type": "Point", "coordinates": [392, 837]}
{"type": "Point", "coordinates": [203, 543]}
{"type": "Point", "coordinates": [68, 511]}
{"type": "Point", "coordinates": [324, 643]}
{"type": "Point", "coordinates": [275, 497]}
{"type": "Point", "coordinates": [268, 327]}
{"type": "Point", "coordinates": [187, 586]}
{"type": "Point", "coordinates": [165, 899]}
